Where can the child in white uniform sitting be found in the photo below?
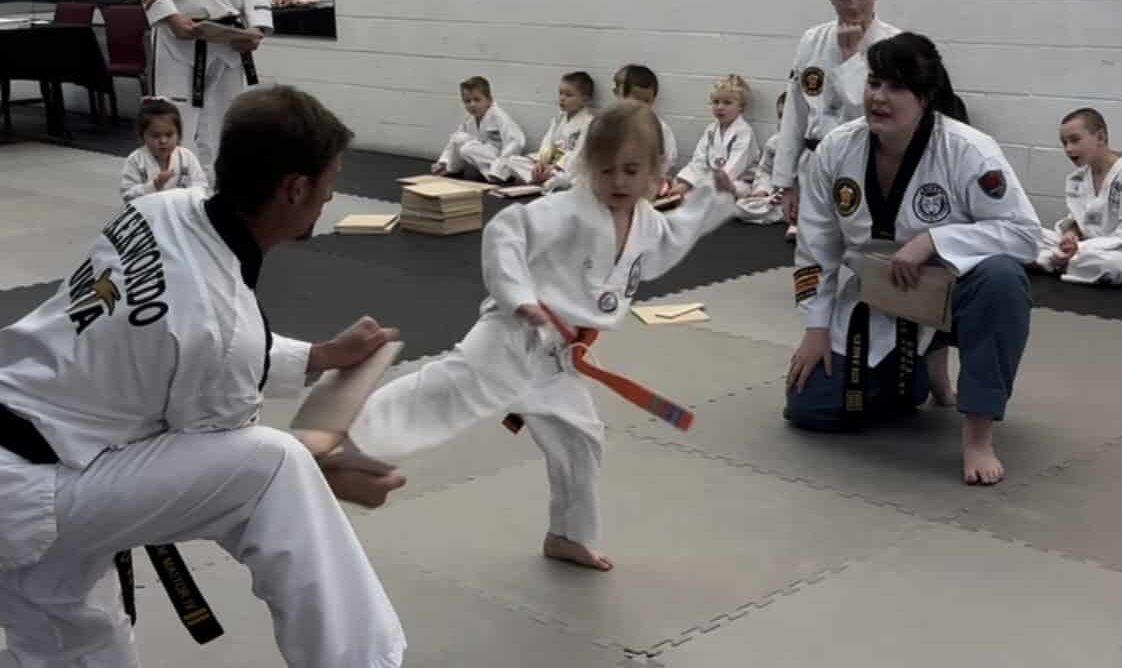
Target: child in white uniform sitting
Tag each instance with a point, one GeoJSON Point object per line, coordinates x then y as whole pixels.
{"type": "Point", "coordinates": [484, 139]}
{"type": "Point", "coordinates": [728, 143]}
{"type": "Point", "coordinates": [161, 163]}
{"type": "Point", "coordinates": [764, 204]}
{"type": "Point", "coordinates": [582, 254]}
{"type": "Point", "coordinates": [641, 84]}
{"type": "Point", "coordinates": [553, 166]}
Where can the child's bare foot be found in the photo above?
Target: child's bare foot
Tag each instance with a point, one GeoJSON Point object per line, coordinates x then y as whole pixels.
{"type": "Point", "coordinates": [558, 547]}
{"type": "Point", "coordinates": [943, 397]}
{"type": "Point", "coordinates": [980, 465]}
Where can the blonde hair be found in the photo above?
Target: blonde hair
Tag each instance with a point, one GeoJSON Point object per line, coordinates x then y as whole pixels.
{"type": "Point", "coordinates": [734, 84]}
{"type": "Point", "coordinates": [613, 127]}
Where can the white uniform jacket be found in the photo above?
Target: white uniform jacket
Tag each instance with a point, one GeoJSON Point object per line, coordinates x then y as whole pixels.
{"type": "Point", "coordinates": [669, 148]}
{"type": "Point", "coordinates": [141, 169]}
{"type": "Point", "coordinates": [560, 250]}
{"type": "Point", "coordinates": [252, 13]}
{"type": "Point", "coordinates": [823, 92]}
{"type": "Point", "coordinates": [156, 330]}
{"type": "Point", "coordinates": [734, 150]}
{"type": "Point", "coordinates": [496, 129]}
{"type": "Point", "coordinates": [954, 183]}
{"type": "Point", "coordinates": [1096, 216]}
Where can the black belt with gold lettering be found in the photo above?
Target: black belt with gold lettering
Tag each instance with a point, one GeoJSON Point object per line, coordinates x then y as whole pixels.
{"type": "Point", "coordinates": [20, 436]}
{"type": "Point", "coordinates": [857, 362]}
{"type": "Point", "coordinates": [198, 79]}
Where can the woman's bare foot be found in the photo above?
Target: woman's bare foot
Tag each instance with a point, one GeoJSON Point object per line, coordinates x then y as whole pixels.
{"type": "Point", "coordinates": [939, 375]}
{"type": "Point", "coordinates": [980, 465]}
{"type": "Point", "coordinates": [558, 547]}
{"type": "Point", "coordinates": [360, 479]}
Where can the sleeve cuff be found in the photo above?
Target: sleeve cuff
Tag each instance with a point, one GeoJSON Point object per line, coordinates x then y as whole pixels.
{"type": "Point", "coordinates": [160, 10]}
{"type": "Point", "coordinates": [288, 365]}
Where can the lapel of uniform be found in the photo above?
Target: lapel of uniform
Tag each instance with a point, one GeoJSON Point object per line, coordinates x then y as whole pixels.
{"type": "Point", "coordinates": [882, 209]}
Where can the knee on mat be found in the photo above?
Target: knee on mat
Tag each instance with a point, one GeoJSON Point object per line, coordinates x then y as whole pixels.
{"type": "Point", "coordinates": [804, 412]}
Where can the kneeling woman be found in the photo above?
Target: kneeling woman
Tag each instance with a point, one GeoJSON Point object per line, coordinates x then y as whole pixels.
{"type": "Point", "coordinates": [911, 181]}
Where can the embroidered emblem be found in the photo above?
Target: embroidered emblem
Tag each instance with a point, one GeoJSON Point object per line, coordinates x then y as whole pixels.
{"type": "Point", "coordinates": [992, 183]}
{"type": "Point", "coordinates": [813, 80]}
{"type": "Point", "coordinates": [847, 196]}
{"type": "Point", "coordinates": [931, 203]}
{"type": "Point", "coordinates": [608, 302]}
{"type": "Point", "coordinates": [1114, 200]}
{"type": "Point", "coordinates": [633, 277]}
{"type": "Point", "coordinates": [806, 282]}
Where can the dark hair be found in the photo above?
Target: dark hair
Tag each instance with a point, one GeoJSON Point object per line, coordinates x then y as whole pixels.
{"type": "Point", "coordinates": [911, 61]}
{"type": "Point", "coordinates": [1092, 120]}
{"type": "Point", "coordinates": [582, 82]}
{"type": "Point", "coordinates": [270, 133]}
{"type": "Point", "coordinates": [614, 126]}
{"type": "Point", "coordinates": [782, 99]}
{"type": "Point", "coordinates": [477, 84]}
{"type": "Point", "coordinates": [153, 107]}
{"type": "Point", "coordinates": [639, 76]}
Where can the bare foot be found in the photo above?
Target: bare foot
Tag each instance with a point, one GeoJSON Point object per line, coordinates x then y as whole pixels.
{"type": "Point", "coordinates": [943, 397]}
{"type": "Point", "coordinates": [980, 465]}
{"type": "Point", "coordinates": [360, 479]}
{"type": "Point", "coordinates": [558, 547]}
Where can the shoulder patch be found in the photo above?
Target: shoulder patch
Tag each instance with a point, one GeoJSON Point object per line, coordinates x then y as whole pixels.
{"type": "Point", "coordinates": [993, 183]}
{"type": "Point", "coordinates": [806, 282]}
{"type": "Point", "coordinates": [812, 80]}
{"type": "Point", "coordinates": [847, 196]}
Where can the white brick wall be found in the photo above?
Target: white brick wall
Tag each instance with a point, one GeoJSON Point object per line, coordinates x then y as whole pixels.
{"type": "Point", "coordinates": [393, 73]}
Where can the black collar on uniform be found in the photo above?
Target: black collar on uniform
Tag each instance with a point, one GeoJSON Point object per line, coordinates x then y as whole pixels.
{"type": "Point", "coordinates": [234, 230]}
{"type": "Point", "coordinates": [884, 211]}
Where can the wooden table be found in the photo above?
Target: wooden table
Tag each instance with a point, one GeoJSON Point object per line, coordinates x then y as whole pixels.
{"type": "Point", "coordinates": [52, 54]}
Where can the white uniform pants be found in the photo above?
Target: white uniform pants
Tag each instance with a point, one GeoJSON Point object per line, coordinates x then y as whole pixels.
{"type": "Point", "coordinates": [467, 150]}
{"type": "Point", "coordinates": [173, 67]}
{"type": "Point", "coordinates": [1086, 266]}
{"type": "Point", "coordinates": [255, 491]}
{"type": "Point", "coordinates": [501, 366]}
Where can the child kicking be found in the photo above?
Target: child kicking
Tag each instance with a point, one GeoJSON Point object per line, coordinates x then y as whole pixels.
{"type": "Point", "coordinates": [581, 254]}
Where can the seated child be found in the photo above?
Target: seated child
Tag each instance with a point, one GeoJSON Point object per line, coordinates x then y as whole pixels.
{"type": "Point", "coordinates": [553, 165]}
{"type": "Point", "coordinates": [487, 134]}
{"type": "Point", "coordinates": [641, 84]}
{"type": "Point", "coordinates": [727, 144]}
{"type": "Point", "coordinates": [1086, 245]}
{"type": "Point", "coordinates": [764, 204]}
{"type": "Point", "coordinates": [160, 163]}
{"type": "Point", "coordinates": [581, 253]}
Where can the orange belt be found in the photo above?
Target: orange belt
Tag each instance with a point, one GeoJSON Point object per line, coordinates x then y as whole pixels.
{"type": "Point", "coordinates": [578, 342]}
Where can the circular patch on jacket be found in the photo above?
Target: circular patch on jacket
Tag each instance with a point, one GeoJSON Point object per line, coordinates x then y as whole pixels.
{"type": "Point", "coordinates": [608, 302]}
{"type": "Point", "coordinates": [992, 183]}
{"type": "Point", "coordinates": [931, 203]}
{"type": "Point", "coordinates": [633, 277]}
{"type": "Point", "coordinates": [813, 80]}
{"type": "Point", "coordinates": [719, 163]}
{"type": "Point", "coordinates": [847, 196]}
{"type": "Point", "coordinates": [1115, 197]}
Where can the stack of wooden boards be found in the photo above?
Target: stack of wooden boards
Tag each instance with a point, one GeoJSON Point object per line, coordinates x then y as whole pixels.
{"type": "Point", "coordinates": [441, 206]}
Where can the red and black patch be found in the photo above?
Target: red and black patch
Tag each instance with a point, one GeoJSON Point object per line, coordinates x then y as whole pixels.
{"type": "Point", "coordinates": [993, 183]}
{"type": "Point", "coordinates": [806, 282]}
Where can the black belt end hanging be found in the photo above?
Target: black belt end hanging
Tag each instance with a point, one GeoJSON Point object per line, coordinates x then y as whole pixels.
{"type": "Point", "coordinates": [198, 78]}
{"type": "Point", "coordinates": [185, 596]}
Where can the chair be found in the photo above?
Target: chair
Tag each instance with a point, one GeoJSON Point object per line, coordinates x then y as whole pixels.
{"type": "Point", "coordinates": [80, 14]}
{"type": "Point", "coordinates": [77, 13]}
{"type": "Point", "coordinates": [125, 28]}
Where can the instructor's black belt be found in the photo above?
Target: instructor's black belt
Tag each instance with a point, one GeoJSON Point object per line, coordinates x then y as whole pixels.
{"type": "Point", "coordinates": [812, 144]}
{"type": "Point", "coordinates": [857, 363]}
{"type": "Point", "coordinates": [198, 78]}
{"type": "Point", "coordinates": [19, 435]}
